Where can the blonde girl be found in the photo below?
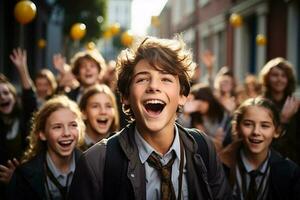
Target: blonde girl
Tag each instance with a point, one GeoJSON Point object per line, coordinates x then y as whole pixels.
{"type": "Point", "coordinates": [49, 162]}
{"type": "Point", "coordinates": [100, 113]}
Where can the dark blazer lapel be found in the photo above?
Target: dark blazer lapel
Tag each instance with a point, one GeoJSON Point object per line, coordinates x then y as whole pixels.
{"type": "Point", "coordinates": [279, 176]}
{"type": "Point", "coordinates": [77, 154]}
{"type": "Point", "coordinates": [33, 172]}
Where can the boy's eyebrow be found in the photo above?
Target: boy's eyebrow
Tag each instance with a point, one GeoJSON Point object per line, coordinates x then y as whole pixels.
{"type": "Point", "coordinates": [140, 73]}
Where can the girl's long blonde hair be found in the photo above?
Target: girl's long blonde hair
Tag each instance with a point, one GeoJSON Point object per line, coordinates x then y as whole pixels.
{"type": "Point", "coordinates": [39, 121]}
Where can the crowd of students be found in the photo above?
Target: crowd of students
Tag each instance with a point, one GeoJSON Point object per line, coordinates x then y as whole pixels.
{"type": "Point", "coordinates": [59, 137]}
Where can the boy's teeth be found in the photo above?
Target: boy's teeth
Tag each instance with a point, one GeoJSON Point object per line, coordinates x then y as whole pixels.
{"type": "Point", "coordinates": [155, 101]}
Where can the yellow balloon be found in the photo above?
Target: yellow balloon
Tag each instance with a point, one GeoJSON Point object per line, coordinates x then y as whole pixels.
{"type": "Point", "coordinates": [107, 34]}
{"type": "Point", "coordinates": [90, 46]}
{"type": "Point", "coordinates": [115, 28]}
{"type": "Point", "coordinates": [126, 38]}
{"type": "Point", "coordinates": [42, 43]}
{"type": "Point", "coordinates": [25, 11]}
{"type": "Point", "coordinates": [235, 20]}
{"type": "Point", "coordinates": [261, 40]}
{"type": "Point", "coordinates": [78, 31]}
{"type": "Point", "coordinates": [155, 21]}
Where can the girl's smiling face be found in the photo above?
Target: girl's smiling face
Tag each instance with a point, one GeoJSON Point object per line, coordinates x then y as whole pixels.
{"type": "Point", "coordinates": [278, 80]}
{"type": "Point", "coordinates": [99, 113]}
{"type": "Point", "coordinates": [61, 133]}
{"type": "Point", "coordinates": [7, 99]}
{"type": "Point", "coordinates": [257, 130]}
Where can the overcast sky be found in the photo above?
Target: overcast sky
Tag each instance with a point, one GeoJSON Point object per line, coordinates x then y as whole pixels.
{"type": "Point", "coordinates": [142, 10]}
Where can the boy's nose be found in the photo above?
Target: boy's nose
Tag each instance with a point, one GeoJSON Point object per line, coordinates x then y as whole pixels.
{"type": "Point", "coordinates": [154, 86]}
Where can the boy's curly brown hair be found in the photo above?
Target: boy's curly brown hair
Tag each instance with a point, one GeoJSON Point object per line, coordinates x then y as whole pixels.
{"type": "Point", "coordinates": [168, 55]}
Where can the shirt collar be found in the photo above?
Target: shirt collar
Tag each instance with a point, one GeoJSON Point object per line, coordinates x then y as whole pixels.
{"type": "Point", "coordinates": [55, 171]}
{"type": "Point", "coordinates": [145, 149]}
{"type": "Point", "coordinates": [262, 168]}
{"type": "Point", "coordinates": [88, 141]}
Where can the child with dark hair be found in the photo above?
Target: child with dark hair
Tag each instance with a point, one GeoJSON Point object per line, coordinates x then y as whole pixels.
{"type": "Point", "coordinates": [153, 157]}
{"type": "Point", "coordinates": [209, 114]}
{"type": "Point", "coordinates": [88, 67]}
{"type": "Point", "coordinates": [255, 170]}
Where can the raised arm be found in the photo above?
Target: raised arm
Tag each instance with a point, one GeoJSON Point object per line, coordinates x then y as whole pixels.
{"type": "Point", "coordinates": [19, 59]}
{"type": "Point", "coordinates": [59, 63]}
{"type": "Point", "coordinates": [65, 78]}
{"type": "Point", "coordinates": [208, 60]}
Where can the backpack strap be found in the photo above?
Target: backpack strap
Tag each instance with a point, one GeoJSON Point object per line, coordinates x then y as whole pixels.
{"type": "Point", "coordinates": [115, 183]}
{"type": "Point", "coordinates": [203, 144]}
{"type": "Point", "coordinates": [204, 149]}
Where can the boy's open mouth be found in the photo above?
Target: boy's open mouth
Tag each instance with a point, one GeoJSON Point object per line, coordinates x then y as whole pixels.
{"type": "Point", "coordinates": [154, 106]}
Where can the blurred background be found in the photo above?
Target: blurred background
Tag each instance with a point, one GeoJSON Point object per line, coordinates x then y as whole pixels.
{"type": "Point", "coordinates": [241, 34]}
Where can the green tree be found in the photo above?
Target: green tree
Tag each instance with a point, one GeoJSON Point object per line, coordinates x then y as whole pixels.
{"type": "Point", "coordinates": [90, 12]}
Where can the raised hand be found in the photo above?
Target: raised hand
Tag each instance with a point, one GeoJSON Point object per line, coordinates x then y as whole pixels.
{"type": "Point", "coordinates": [59, 63]}
{"type": "Point", "coordinates": [208, 59]}
{"type": "Point", "coordinates": [290, 107]}
{"type": "Point", "coordinates": [68, 81]}
{"type": "Point", "coordinates": [6, 172]}
{"type": "Point", "coordinates": [19, 58]}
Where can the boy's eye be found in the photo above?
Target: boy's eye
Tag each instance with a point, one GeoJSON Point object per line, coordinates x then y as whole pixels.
{"type": "Point", "coordinates": [167, 80]}
{"type": "Point", "coordinates": [139, 80]}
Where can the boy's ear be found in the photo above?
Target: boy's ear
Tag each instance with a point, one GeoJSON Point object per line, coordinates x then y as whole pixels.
{"type": "Point", "coordinates": [42, 136]}
{"type": "Point", "coordinates": [182, 99]}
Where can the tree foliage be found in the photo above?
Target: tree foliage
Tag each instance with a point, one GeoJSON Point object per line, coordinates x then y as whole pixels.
{"type": "Point", "coordinates": [90, 12]}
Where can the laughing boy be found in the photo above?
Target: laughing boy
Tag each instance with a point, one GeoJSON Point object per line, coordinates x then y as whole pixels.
{"type": "Point", "coordinates": [153, 157]}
